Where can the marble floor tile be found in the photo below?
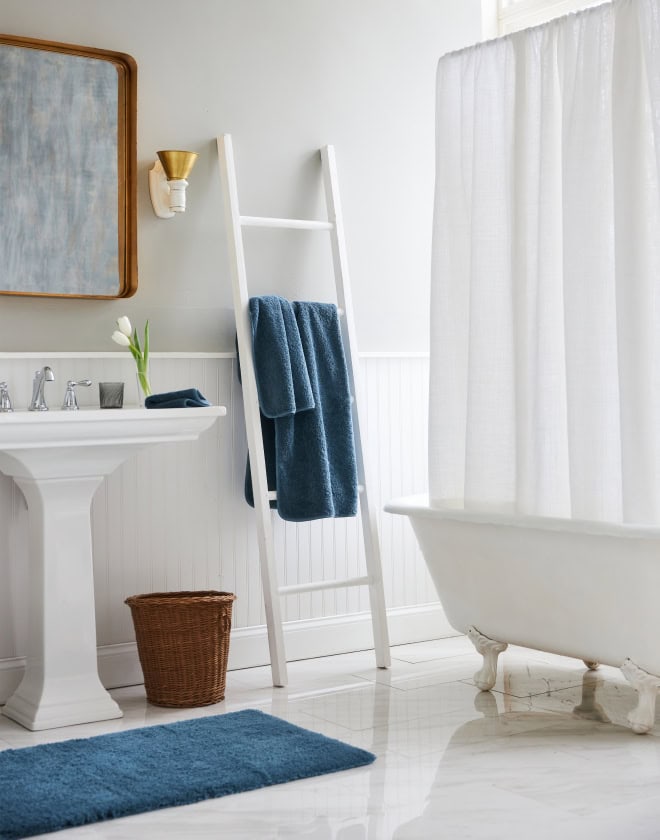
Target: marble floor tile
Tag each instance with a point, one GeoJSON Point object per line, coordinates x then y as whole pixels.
{"type": "Point", "coordinates": [407, 676]}
{"type": "Point", "coordinates": [607, 698]}
{"type": "Point", "coordinates": [304, 671]}
{"type": "Point", "coordinates": [523, 673]}
{"type": "Point", "coordinates": [434, 649]}
{"type": "Point", "coordinates": [638, 821]}
{"type": "Point", "coordinates": [547, 754]}
{"type": "Point", "coordinates": [463, 724]}
{"type": "Point", "coordinates": [572, 781]}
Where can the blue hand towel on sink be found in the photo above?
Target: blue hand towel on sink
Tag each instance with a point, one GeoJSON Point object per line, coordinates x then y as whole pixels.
{"type": "Point", "coordinates": [308, 439]}
{"type": "Point", "coordinates": [188, 398]}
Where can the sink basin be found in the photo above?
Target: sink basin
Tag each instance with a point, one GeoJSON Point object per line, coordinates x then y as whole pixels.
{"type": "Point", "coordinates": [30, 430]}
{"type": "Point", "coordinates": [58, 459]}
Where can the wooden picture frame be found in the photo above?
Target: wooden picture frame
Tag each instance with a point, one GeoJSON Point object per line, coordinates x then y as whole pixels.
{"type": "Point", "coordinates": [68, 158]}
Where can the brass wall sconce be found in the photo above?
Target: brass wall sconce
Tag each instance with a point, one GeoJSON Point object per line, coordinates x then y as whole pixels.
{"type": "Point", "coordinates": [167, 182]}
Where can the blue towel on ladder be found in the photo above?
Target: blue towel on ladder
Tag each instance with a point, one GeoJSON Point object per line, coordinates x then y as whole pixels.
{"type": "Point", "coordinates": [279, 363]}
{"type": "Point", "coordinates": [308, 439]}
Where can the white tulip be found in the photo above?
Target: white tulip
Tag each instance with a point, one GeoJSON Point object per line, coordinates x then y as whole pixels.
{"type": "Point", "coordinates": [124, 326]}
{"type": "Point", "coordinates": [120, 338]}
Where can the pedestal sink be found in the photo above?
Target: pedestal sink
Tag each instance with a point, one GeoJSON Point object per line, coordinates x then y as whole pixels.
{"type": "Point", "coordinates": [58, 459]}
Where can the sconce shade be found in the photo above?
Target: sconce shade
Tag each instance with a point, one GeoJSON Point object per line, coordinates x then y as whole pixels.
{"type": "Point", "coordinates": [177, 164]}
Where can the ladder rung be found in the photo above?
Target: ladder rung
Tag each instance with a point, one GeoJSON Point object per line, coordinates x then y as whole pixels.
{"type": "Point", "coordinates": [301, 224]}
{"type": "Point", "coordinates": [323, 584]}
{"type": "Point", "coordinates": [272, 494]}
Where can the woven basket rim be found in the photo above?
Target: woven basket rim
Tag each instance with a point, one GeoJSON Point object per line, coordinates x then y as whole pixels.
{"type": "Point", "coordinates": [207, 596]}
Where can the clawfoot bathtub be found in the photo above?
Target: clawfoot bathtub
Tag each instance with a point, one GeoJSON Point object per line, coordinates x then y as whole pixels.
{"type": "Point", "coordinates": [588, 590]}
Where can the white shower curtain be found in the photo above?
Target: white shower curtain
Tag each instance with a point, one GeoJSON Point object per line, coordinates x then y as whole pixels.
{"type": "Point", "coordinates": [545, 304]}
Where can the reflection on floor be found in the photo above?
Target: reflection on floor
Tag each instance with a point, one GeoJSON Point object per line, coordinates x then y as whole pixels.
{"type": "Point", "coordinates": [546, 754]}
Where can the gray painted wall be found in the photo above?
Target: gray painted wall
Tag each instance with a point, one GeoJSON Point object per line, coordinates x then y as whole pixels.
{"type": "Point", "coordinates": [283, 77]}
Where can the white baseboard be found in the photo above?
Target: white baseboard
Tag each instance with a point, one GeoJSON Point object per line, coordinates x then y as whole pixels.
{"type": "Point", "coordinates": [338, 634]}
{"type": "Point", "coordinates": [119, 664]}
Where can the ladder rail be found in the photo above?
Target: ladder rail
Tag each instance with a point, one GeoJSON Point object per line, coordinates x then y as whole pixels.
{"type": "Point", "coordinates": [252, 416]}
{"type": "Point", "coordinates": [367, 511]}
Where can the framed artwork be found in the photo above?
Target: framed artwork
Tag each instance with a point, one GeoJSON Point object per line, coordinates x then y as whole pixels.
{"type": "Point", "coordinates": [68, 159]}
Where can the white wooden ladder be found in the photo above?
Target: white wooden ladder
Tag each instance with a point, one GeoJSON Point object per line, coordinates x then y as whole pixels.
{"type": "Point", "coordinates": [235, 222]}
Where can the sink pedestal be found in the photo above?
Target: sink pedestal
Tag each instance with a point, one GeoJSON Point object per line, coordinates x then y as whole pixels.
{"type": "Point", "coordinates": [58, 472]}
{"type": "Point", "coordinates": [61, 685]}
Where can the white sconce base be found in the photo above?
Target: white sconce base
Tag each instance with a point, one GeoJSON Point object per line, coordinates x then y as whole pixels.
{"type": "Point", "coordinates": [178, 195]}
{"type": "Point", "coordinates": [167, 197]}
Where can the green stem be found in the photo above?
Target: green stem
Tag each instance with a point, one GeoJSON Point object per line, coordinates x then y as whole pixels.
{"type": "Point", "coordinates": [143, 378]}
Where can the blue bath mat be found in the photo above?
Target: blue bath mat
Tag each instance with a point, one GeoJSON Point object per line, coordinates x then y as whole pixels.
{"type": "Point", "coordinates": [54, 786]}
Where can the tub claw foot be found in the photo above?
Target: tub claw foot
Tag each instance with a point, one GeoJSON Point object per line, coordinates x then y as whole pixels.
{"type": "Point", "coordinates": [588, 708]}
{"type": "Point", "coordinates": [591, 664]}
{"type": "Point", "coordinates": [485, 677]}
{"type": "Point", "coordinates": [646, 685]}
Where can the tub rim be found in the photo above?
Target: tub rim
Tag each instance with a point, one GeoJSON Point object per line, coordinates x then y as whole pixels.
{"type": "Point", "coordinates": [452, 509]}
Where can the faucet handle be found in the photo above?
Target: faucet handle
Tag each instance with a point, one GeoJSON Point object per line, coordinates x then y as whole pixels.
{"type": "Point", "coordinates": [70, 400]}
{"type": "Point", "coordinates": [5, 399]}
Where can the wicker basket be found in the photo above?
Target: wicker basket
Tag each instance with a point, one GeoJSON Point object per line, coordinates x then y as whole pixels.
{"type": "Point", "coordinates": [183, 645]}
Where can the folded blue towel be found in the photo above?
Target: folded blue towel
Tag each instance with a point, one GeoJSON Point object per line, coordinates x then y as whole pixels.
{"type": "Point", "coordinates": [188, 398]}
{"type": "Point", "coordinates": [310, 451]}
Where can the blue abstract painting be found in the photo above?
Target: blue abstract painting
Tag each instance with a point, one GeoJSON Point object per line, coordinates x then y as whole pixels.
{"type": "Point", "coordinates": [59, 214]}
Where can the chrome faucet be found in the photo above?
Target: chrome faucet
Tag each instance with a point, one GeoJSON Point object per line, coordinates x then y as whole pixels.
{"type": "Point", "coordinates": [42, 376]}
{"type": "Point", "coordinates": [5, 399]}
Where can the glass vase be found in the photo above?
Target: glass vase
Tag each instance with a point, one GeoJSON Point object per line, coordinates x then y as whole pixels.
{"type": "Point", "coordinates": [143, 384]}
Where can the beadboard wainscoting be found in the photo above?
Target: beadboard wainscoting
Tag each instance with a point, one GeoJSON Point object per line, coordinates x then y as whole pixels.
{"type": "Point", "coordinates": [174, 518]}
